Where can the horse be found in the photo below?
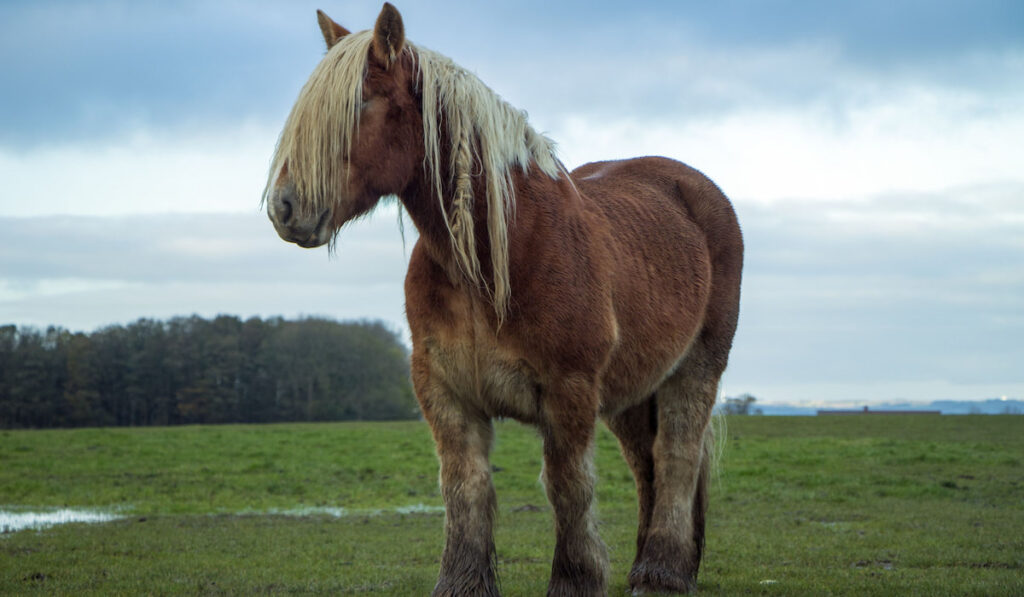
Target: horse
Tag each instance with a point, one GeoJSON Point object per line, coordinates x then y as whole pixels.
{"type": "Point", "coordinates": [551, 297]}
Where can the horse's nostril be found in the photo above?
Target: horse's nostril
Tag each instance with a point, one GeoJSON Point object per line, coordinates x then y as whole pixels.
{"type": "Point", "coordinates": [286, 211]}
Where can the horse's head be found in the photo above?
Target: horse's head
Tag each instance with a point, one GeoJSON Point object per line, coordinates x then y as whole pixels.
{"type": "Point", "coordinates": [353, 136]}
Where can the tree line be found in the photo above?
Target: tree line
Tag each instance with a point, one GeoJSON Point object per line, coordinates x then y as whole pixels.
{"type": "Point", "coordinates": [192, 370]}
{"type": "Point", "coordinates": [740, 405]}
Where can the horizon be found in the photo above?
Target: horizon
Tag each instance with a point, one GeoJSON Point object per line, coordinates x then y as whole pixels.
{"type": "Point", "coordinates": [871, 152]}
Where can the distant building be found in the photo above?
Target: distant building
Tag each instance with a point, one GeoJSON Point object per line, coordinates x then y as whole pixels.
{"type": "Point", "coordinates": [866, 411]}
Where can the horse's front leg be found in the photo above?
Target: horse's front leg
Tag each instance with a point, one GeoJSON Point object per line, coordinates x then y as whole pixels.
{"type": "Point", "coordinates": [569, 418]}
{"type": "Point", "coordinates": [463, 441]}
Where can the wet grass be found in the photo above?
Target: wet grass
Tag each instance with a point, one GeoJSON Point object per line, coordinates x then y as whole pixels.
{"type": "Point", "coordinates": [865, 505]}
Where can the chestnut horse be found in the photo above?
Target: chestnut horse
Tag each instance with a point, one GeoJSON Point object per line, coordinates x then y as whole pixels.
{"type": "Point", "coordinates": [550, 297]}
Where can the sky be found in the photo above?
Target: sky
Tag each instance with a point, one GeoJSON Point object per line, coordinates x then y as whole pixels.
{"type": "Point", "coordinates": [872, 151]}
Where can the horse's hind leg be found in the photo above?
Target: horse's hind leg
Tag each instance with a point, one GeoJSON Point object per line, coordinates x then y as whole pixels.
{"type": "Point", "coordinates": [671, 553]}
{"type": "Point", "coordinates": [635, 428]}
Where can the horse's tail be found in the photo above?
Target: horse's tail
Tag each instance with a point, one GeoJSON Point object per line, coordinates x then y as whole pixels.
{"type": "Point", "coordinates": [700, 495]}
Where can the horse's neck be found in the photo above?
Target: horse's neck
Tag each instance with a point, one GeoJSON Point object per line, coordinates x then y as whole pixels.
{"type": "Point", "coordinates": [425, 210]}
{"type": "Point", "coordinates": [429, 212]}
{"type": "Point", "coordinates": [538, 196]}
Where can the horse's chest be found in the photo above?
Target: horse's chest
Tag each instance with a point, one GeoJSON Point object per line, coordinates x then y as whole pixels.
{"type": "Point", "coordinates": [486, 377]}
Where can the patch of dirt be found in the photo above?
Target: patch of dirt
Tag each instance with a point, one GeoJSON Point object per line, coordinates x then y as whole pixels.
{"type": "Point", "coordinates": [528, 508]}
{"type": "Point", "coordinates": [883, 564]}
{"type": "Point", "coordinates": [1000, 565]}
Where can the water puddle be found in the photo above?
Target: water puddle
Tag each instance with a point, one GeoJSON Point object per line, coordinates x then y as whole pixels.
{"type": "Point", "coordinates": [11, 521]}
{"type": "Point", "coordinates": [337, 512]}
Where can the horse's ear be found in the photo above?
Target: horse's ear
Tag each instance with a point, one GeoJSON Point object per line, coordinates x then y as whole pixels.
{"type": "Point", "coordinates": [388, 35]}
{"type": "Point", "coordinates": [332, 31]}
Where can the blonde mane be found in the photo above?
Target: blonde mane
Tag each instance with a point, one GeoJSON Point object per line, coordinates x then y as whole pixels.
{"type": "Point", "coordinates": [489, 139]}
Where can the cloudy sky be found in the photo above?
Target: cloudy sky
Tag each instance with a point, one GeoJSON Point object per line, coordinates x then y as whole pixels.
{"type": "Point", "coordinates": [872, 149]}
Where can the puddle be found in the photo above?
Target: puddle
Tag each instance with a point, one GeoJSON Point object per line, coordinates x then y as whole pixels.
{"type": "Point", "coordinates": [419, 509]}
{"type": "Point", "coordinates": [19, 521]}
{"type": "Point", "coordinates": [343, 512]}
{"type": "Point", "coordinates": [12, 521]}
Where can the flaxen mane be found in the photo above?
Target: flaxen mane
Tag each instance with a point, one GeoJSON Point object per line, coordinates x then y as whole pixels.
{"type": "Point", "coordinates": [488, 139]}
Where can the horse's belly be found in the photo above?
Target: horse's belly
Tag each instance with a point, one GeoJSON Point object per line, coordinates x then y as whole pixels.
{"type": "Point", "coordinates": [632, 378]}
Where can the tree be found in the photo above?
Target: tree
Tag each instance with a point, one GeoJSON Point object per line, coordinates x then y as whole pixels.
{"type": "Point", "coordinates": [740, 405]}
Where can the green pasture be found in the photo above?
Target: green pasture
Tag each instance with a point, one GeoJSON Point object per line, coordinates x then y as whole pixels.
{"type": "Point", "coordinates": [859, 505]}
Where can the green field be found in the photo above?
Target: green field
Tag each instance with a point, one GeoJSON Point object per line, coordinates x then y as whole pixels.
{"type": "Point", "coordinates": [861, 505]}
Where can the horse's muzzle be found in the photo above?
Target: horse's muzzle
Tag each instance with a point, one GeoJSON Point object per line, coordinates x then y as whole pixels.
{"type": "Point", "coordinates": [296, 225]}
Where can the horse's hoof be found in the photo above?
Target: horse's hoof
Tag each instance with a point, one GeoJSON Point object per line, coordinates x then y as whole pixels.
{"type": "Point", "coordinates": [648, 581]}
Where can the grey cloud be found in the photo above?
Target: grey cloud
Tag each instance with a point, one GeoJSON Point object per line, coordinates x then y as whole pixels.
{"type": "Point", "coordinates": [95, 69]}
{"type": "Point", "coordinates": [224, 248]}
{"type": "Point", "coordinates": [899, 288]}
{"type": "Point", "coordinates": [119, 65]}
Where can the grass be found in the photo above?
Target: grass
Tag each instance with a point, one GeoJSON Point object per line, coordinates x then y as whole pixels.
{"type": "Point", "coordinates": [863, 505]}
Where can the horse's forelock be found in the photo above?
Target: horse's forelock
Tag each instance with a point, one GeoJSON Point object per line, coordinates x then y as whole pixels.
{"type": "Point", "coordinates": [317, 137]}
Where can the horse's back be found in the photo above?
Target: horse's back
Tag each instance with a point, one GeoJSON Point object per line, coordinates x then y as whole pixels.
{"type": "Point", "coordinates": [660, 192]}
{"type": "Point", "coordinates": [658, 182]}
